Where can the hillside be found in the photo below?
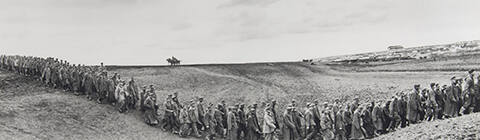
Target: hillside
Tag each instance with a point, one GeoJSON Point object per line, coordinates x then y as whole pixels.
{"type": "Point", "coordinates": [431, 52]}
{"type": "Point", "coordinates": [28, 110]}
{"type": "Point", "coordinates": [464, 127]}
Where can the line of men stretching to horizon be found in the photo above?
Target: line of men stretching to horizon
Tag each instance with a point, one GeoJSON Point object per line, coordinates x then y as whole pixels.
{"type": "Point", "coordinates": [337, 120]}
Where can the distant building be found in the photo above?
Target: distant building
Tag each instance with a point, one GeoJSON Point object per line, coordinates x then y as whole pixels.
{"type": "Point", "coordinates": [396, 47]}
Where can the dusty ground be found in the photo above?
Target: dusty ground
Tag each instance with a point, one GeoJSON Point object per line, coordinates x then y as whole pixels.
{"type": "Point", "coordinates": [30, 111]}
{"type": "Point", "coordinates": [464, 127]}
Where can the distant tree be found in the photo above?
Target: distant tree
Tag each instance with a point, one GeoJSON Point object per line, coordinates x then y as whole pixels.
{"type": "Point", "coordinates": [173, 61]}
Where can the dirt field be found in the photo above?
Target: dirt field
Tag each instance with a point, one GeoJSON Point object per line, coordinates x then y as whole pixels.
{"type": "Point", "coordinates": [30, 111]}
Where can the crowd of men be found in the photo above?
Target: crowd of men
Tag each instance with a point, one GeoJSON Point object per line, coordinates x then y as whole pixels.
{"type": "Point", "coordinates": [313, 120]}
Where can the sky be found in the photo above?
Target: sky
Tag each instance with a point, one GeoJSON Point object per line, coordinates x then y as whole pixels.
{"type": "Point", "coordinates": [139, 32]}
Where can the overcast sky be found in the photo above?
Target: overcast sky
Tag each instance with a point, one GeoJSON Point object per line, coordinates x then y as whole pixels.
{"type": "Point", "coordinates": [224, 31]}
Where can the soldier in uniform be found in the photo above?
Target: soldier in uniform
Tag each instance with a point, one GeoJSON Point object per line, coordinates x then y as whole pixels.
{"type": "Point", "coordinates": [253, 130]}
{"type": "Point", "coordinates": [290, 129]}
{"type": "Point", "coordinates": [378, 118]}
{"type": "Point", "coordinates": [340, 133]}
{"type": "Point", "coordinates": [102, 89]}
{"type": "Point", "coordinates": [269, 127]}
{"type": "Point", "coordinates": [184, 122]}
{"type": "Point", "coordinates": [451, 99]}
{"type": "Point", "coordinates": [357, 132]}
{"type": "Point", "coordinates": [219, 128]}
{"type": "Point", "coordinates": [477, 94]}
{"type": "Point", "coordinates": [201, 113]}
{"type": "Point", "coordinates": [297, 119]}
{"type": "Point", "coordinates": [143, 94]}
{"type": "Point", "coordinates": [310, 122]}
{"type": "Point", "coordinates": [402, 110]}
{"type": "Point", "coordinates": [413, 105]}
{"type": "Point", "coordinates": [169, 116]}
{"type": "Point", "coordinates": [394, 110]}
{"type": "Point", "coordinates": [468, 94]}
{"type": "Point", "coordinates": [242, 121]}
{"type": "Point", "coordinates": [150, 113]}
{"type": "Point", "coordinates": [458, 90]}
{"type": "Point", "coordinates": [210, 122]}
{"type": "Point", "coordinates": [111, 92]}
{"type": "Point", "coordinates": [440, 100]}
{"type": "Point", "coordinates": [133, 94]}
{"type": "Point", "coordinates": [347, 118]}
{"type": "Point", "coordinates": [193, 115]}
{"type": "Point", "coordinates": [326, 124]}
{"type": "Point", "coordinates": [367, 123]}
{"type": "Point", "coordinates": [120, 93]}
{"type": "Point", "coordinates": [232, 124]}
{"type": "Point", "coordinates": [431, 103]}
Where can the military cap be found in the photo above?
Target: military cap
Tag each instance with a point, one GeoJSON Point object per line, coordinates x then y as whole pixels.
{"type": "Point", "coordinates": [453, 78]}
{"type": "Point", "coordinates": [416, 85]}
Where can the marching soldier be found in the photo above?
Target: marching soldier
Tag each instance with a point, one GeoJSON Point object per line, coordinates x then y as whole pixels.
{"type": "Point", "coordinates": [143, 94]}
{"type": "Point", "coordinates": [169, 115]}
{"type": "Point", "coordinates": [269, 125]}
{"type": "Point", "coordinates": [357, 132]}
{"type": "Point", "coordinates": [347, 118]}
{"type": "Point", "coordinates": [132, 97]}
{"type": "Point", "coordinates": [232, 125]}
{"type": "Point", "coordinates": [193, 115]}
{"type": "Point", "coordinates": [340, 133]}
{"type": "Point", "coordinates": [253, 130]}
{"type": "Point", "coordinates": [367, 124]}
{"type": "Point", "coordinates": [310, 124]}
{"type": "Point", "coordinates": [451, 99]}
{"type": "Point", "coordinates": [413, 105]}
{"type": "Point", "coordinates": [242, 121]}
{"type": "Point", "coordinates": [431, 103]}
{"type": "Point", "coordinates": [378, 118]}
{"type": "Point", "coordinates": [219, 128]}
{"type": "Point", "coordinates": [468, 94]}
{"type": "Point", "coordinates": [201, 113]}
{"type": "Point", "coordinates": [120, 97]}
{"type": "Point", "coordinates": [150, 113]}
{"type": "Point", "coordinates": [290, 131]}
{"type": "Point", "coordinates": [440, 100]}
